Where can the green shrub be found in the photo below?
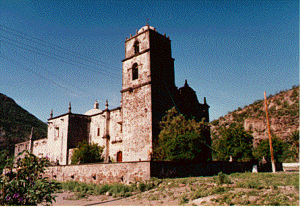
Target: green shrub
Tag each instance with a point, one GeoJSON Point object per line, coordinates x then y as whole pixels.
{"type": "Point", "coordinates": [87, 153]}
{"type": "Point", "coordinates": [183, 199]}
{"type": "Point", "coordinates": [223, 179]}
{"type": "Point", "coordinates": [215, 122]}
{"type": "Point", "coordinates": [182, 139]}
{"type": "Point", "coordinates": [26, 186]}
{"type": "Point", "coordinates": [233, 141]}
{"type": "Point", "coordinates": [5, 160]}
{"type": "Point", "coordinates": [115, 189]}
{"type": "Point", "coordinates": [280, 148]}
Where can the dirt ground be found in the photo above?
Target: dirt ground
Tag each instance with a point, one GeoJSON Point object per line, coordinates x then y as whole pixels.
{"type": "Point", "coordinates": [69, 199]}
{"type": "Point", "coordinates": [243, 189]}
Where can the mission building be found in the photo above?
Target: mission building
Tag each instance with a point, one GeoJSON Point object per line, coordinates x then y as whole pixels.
{"type": "Point", "coordinates": [127, 132]}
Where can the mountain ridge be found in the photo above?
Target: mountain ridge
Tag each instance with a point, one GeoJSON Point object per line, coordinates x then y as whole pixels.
{"type": "Point", "coordinates": [16, 124]}
{"type": "Point", "coordinates": [283, 110]}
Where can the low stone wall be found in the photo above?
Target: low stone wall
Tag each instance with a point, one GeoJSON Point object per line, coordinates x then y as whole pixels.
{"type": "Point", "coordinates": [131, 172]}
{"type": "Point", "coordinates": [185, 169]}
{"type": "Point", "coordinates": [291, 166]}
{"type": "Point", "coordinates": [125, 172]}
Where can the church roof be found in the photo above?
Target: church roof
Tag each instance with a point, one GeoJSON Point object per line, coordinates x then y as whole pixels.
{"type": "Point", "coordinates": [92, 112]}
{"type": "Point", "coordinates": [95, 110]}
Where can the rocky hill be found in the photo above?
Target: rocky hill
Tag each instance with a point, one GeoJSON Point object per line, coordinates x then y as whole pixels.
{"type": "Point", "coordinates": [283, 113]}
{"type": "Point", "coordinates": [16, 124]}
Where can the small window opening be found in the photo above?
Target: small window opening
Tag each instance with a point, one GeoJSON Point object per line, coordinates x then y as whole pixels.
{"type": "Point", "coordinates": [135, 72]}
{"type": "Point", "coordinates": [57, 131]}
{"type": "Point", "coordinates": [98, 132]}
{"type": "Point", "coordinates": [94, 177]}
{"type": "Point", "coordinates": [136, 47]}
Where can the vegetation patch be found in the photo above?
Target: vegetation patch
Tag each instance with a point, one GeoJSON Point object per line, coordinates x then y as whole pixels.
{"type": "Point", "coordinates": [115, 189]}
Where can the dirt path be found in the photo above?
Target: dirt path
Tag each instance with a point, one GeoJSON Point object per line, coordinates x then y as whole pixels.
{"type": "Point", "coordinates": [69, 199]}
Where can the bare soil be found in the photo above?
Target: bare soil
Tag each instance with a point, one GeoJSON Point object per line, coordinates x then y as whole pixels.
{"type": "Point", "coordinates": [244, 189]}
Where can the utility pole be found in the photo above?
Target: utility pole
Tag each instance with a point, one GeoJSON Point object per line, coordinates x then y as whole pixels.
{"type": "Point", "coordinates": [269, 133]}
{"type": "Point", "coordinates": [30, 141]}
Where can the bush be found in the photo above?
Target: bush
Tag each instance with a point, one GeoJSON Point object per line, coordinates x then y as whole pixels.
{"type": "Point", "coordinates": [280, 149]}
{"type": "Point", "coordinates": [25, 185]}
{"type": "Point", "coordinates": [87, 153]}
{"type": "Point", "coordinates": [182, 139]}
{"type": "Point", "coordinates": [293, 142]}
{"type": "Point", "coordinates": [5, 160]}
{"type": "Point", "coordinates": [115, 189]}
{"type": "Point", "coordinates": [222, 179]}
{"type": "Point", "coordinates": [233, 141]}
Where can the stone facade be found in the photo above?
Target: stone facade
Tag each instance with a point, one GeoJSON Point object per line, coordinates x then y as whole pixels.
{"type": "Point", "coordinates": [129, 131]}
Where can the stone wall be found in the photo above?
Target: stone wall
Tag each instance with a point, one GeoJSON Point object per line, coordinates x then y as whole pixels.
{"type": "Point", "coordinates": [136, 101]}
{"type": "Point", "coordinates": [126, 172]}
{"type": "Point", "coordinates": [137, 124]}
{"type": "Point", "coordinates": [57, 138]}
{"type": "Point", "coordinates": [40, 147]}
{"type": "Point", "coordinates": [20, 147]}
{"type": "Point", "coordinates": [163, 169]}
{"type": "Point", "coordinates": [78, 130]}
{"type": "Point", "coordinates": [131, 172]}
{"type": "Point", "coordinates": [115, 133]}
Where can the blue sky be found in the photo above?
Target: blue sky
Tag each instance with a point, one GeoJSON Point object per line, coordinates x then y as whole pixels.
{"type": "Point", "coordinates": [53, 52]}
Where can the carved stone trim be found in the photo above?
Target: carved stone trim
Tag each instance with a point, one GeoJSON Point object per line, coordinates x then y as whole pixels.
{"type": "Point", "coordinates": [134, 87]}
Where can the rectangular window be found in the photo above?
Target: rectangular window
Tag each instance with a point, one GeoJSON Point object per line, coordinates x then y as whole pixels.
{"type": "Point", "coordinates": [98, 132]}
{"type": "Point", "coordinates": [135, 72]}
{"type": "Point", "coordinates": [56, 131]}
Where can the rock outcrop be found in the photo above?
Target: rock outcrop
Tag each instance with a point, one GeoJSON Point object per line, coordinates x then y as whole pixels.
{"type": "Point", "coordinates": [283, 112]}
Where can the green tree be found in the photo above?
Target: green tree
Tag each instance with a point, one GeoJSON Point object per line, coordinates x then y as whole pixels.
{"type": "Point", "coordinates": [182, 139]}
{"type": "Point", "coordinates": [233, 141]}
{"type": "Point", "coordinates": [25, 185]}
{"type": "Point", "coordinates": [293, 142]}
{"type": "Point", "coordinates": [87, 153]}
{"type": "Point", "coordinates": [5, 160]}
{"type": "Point", "coordinates": [280, 149]}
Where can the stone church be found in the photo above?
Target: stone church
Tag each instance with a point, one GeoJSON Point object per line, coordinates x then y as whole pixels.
{"type": "Point", "coordinates": [127, 132]}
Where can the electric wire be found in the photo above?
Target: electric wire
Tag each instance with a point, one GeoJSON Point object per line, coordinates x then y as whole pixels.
{"type": "Point", "coordinates": [54, 46]}
{"type": "Point", "coordinates": [53, 56]}
{"type": "Point", "coordinates": [21, 66]}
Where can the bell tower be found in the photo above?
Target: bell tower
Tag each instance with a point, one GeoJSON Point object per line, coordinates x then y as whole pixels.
{"type": "Point", "coordinates": [148, 88]}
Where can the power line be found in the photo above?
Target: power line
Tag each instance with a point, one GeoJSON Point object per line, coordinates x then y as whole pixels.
{"type": "Point", "coordinates": [16, 63]}
{"type": "Point", "coordinates": [53, 56]}
{"type": "Point", "coordinates": [43, 42]}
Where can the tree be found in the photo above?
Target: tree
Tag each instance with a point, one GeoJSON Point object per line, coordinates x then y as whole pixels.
{"type": "Point", "coordinates": [182, 139]}
{"type": "Point", "coordinates": [25, 185]}
{"type": "Point", "coordinates": [233, 141]}
{"type": "Point", "coordinates": [87, 153]}
{"type": "Point", "coordinates": [280, 150]}
{"type": "Point", "coordinates": [5, 159]}
{"type": "Point", "coordinates": [293, 141]}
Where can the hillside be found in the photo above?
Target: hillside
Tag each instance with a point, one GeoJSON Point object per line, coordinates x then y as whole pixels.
{"type": "Point", "coordinates": [16, 123]}
{"type": "Point", "coordinates": [283, 112]}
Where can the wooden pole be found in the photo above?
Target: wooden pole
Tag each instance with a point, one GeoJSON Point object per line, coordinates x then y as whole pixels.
{"type": "Point", "coordinates": [269, 133]}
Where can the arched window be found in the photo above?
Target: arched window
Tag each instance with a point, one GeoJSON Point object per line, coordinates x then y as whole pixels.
{"type": "Point", "coordinates": [136, 47]}
{"type": "Point", "coordinates": [135, 72]}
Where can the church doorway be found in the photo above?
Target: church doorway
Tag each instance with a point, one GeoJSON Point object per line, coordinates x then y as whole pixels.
{"type": "Point", "coordinates": [119, 156]}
